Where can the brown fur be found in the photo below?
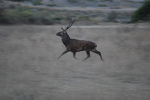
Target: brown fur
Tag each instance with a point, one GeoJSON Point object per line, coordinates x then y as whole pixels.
{"type": "Point", "coordinates": [74, 45]}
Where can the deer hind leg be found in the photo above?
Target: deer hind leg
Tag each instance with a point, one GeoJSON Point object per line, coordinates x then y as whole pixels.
{"type": "Point", "coordinates": [88, 55]}
{"type": "Point", "coordinates": [74, 55]}
{"type": "Point", "coordinates": [99, 53]}
{"type": "Point", "coordinates": [66, 51]}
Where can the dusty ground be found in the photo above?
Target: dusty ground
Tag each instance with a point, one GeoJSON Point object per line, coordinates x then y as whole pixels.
{"type": "Point", "coordinates": [29, 69]}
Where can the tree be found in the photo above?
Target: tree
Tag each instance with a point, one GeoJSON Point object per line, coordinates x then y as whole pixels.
{"type": "Point", "coordinates": [143, 13]}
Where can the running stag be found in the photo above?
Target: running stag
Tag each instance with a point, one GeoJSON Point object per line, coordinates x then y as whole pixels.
{"type": "Point", "coordinates": [75, 45]}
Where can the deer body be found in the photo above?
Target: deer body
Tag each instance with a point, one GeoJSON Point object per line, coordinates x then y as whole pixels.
{"type": "Point", "coordinates": [80, 45]}
{"type": "Point", "coordinates": [75, 45]}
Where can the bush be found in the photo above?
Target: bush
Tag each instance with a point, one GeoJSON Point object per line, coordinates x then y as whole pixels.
{"type": "Point", "coordinates": [37, 2]}
{"type": "Point", "coordinates": [20, 0]}
{"type": "Point", "coordinates": [9, 17]}
{"type": "Point", "coordinates": [112, 16]}
{"type": "Point", "coordinates": [30, 16]}
{"type": "Point", "coordinates": [143, 13]}
{"type": "Point", "coordinates": [51, 5]}
{"type": "Point", "coordinates": [73, 1]}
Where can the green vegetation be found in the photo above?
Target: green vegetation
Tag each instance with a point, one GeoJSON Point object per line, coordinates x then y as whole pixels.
{"type": "Point", "coordinates": [107, 0]}
{"type": "Point", "coordinates": [72, 1]}
{"type": "Point", "coordinates": [51, 5]}
{"type": "Point", "coordinates": [37, 2]}
{"type": "Point", "coordinates": [20, 0]}
{"type": "Point", "coordinates": [143, 13]}
{"type": "Point", "coordinates": [25, 15]}
{"type": "Point", "coordinates": [38, 15]}
{"type": "Point", "coordinates": [91, 0]}
{"type": "Point", "coordinates": [112, 16]}
{"type": "Point", "coordinates": [34, 2]}
{"type": "Point", "coordinates": [30, 16]}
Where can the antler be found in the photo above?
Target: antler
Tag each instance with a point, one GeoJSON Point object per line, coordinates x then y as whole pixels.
{"type": "Point", "coordinates": [70, 24]}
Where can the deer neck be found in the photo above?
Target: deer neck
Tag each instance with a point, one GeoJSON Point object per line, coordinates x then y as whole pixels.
{"type": "Point", "coordinates": [66, 39]}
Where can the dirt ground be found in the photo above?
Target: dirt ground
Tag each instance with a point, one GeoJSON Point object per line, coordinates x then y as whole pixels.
{"type": "Point", "coordinates": [29, 69]}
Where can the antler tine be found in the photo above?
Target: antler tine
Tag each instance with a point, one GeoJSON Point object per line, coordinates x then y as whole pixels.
{"type": "Point", "coordinates": [73, 20]}
{"type": "Point", "coordinates": [62, 28]}
{"type": "Point", "coordinates": [71, 23]}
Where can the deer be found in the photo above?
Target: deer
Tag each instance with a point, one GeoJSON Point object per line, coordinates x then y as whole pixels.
{"type": "Point", "coordinates": [75, 45]}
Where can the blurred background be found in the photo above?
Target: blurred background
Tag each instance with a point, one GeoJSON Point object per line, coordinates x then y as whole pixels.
{"type": "Point", "coordinates": [29, 47]}
{"type": "Point", "coordinates": [49, 12]}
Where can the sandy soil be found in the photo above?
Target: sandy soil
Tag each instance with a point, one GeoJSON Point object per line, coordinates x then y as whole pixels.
{"type": "Point", "coordinates": [29, 69]}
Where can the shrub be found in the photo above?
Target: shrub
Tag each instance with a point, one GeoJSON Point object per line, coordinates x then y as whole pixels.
{"type": "Point", "coordinates": [112, 16]}
{"type": "Point", "coordinates": [91, 0]}
{"type": "Point", "coordinates": [72, 1]}
{"type": "Point", "coordinates": [9, 17]}
{"type": "Point", "coordinates": [37, 2]}
{"type": "Point", "coordinates": [20, 0]}
{"type": "Point", "coordinates": [143, 13]}
{"type": "Point", "coordinates": [51, 5]}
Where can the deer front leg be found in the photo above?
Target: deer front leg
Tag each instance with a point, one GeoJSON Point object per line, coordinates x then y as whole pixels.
{"type": "Point", "coordinates": [66, 51]}
{"type": "Point", "coordinates": [88, 55]}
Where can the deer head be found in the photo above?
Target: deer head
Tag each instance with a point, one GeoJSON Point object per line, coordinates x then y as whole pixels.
{"type": "Point", "coordinates": [63, 33]}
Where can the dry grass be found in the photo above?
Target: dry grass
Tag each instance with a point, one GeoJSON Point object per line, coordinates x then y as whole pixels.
{"type": "Point", "coordinates": [30, 71]}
